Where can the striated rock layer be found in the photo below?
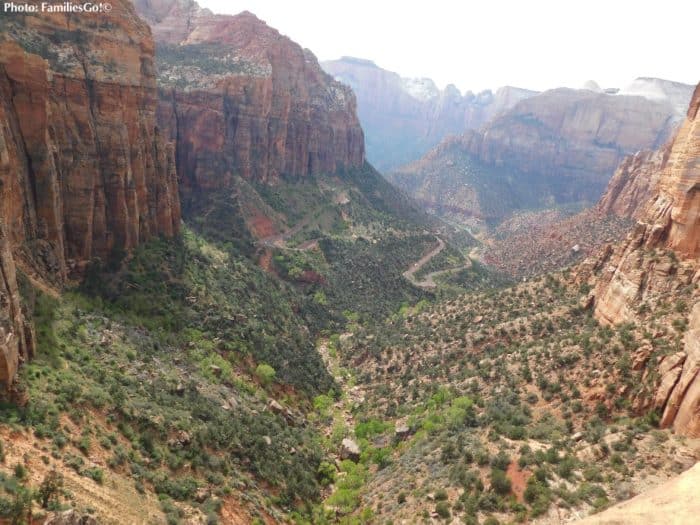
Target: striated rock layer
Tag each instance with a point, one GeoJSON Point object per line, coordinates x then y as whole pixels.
{"type": "Point", "coordinates": [575, 134]}
{"type": "Point", "coordinates": [633, 273]}
{"type": "Point", "coordinates": [84, 168]}
{"type": "Point", "coordinates": [403, 118]}
{"type": "Point", "coordinates": [241, 99]}
{"type": "Point", "coordinates": [558, 147]}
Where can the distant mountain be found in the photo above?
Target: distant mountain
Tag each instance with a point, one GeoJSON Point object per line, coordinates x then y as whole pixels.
{"type": "Point", "coordinates": [561, 146]}
{"type": "Point", "coordinates": [404, 117]}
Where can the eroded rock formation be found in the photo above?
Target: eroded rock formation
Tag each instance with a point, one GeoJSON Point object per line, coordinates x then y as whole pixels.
{"type": "Point", "coordinates": [239, 98]}
{"type": "Point", "coordinates": [558, 147]}
{"type": "Point", "coordinates": [84, 168]}
{"type": "Point", "coordinates": [575, 134]}
{"type": "Point", "coordinates": [403, 118]}
{"type": "Point", "coordinates": [633, 273]}
{"type": "Point", "coordinates": [633, 184]}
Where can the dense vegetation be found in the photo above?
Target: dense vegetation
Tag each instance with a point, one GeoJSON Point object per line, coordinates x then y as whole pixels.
{"type": "Point", "coordinates": [175, 356]}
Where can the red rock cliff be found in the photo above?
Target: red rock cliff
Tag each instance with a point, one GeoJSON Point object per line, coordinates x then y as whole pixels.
{"type": "Point", "coordinates": [634, 273]}
{"type": "Point", "coordinates": [84, 168]}
{"type": "Point", "coordinates": [241, 99]}
{"type": "Point", "coordinates": [579, 135]}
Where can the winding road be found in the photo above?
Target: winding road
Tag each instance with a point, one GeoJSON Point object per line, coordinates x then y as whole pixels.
{"type": "Point", "coordinates": [428, 282]}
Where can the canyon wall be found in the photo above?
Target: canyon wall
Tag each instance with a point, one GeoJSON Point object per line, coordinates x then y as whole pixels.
{"type": "Point", "coordinates": [403, 118]}
{"type": "Point", "coordinates": [578, 135]}
{"type": "Point", "coordinates": [239, 98]}
{"type": "Point", "coordinates": [635, 273]}
{"type": "Point", "coordinates": [558, 147]}
{"type": "Point", "coordinates": [85, 171]}
{"type": "Point", "coordinates": [634, 183]}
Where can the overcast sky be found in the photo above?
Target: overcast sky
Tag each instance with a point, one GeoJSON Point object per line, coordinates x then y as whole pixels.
{"type": "Point", "coordinates": [536, 44]}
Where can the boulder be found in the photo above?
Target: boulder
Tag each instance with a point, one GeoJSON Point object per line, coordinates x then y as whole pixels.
{"type": "Point", "coordinates": [402, 431]}
{"type": "Point", "coordinates": [70, 517]}
{"type": "Point", "coordinates": [350, 450]}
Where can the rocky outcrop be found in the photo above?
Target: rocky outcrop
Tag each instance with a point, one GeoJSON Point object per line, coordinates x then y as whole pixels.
{"type": "Point", "coordinates": [634, 272]}
{"type": "Point", "coordinates": [84, 168]}
{"type": "Point", "coordinates": [70, 517]}
{"type": "Point", "coordinates": [577, 135]}
{"type": "Point", "coordinates": [683, 407]}
{"type": "Point", "coordinates": [403, 118]}
{"type": "Point", "coordinates": [239, 98]}
{"type": "Point", "coordinates": [558, 147]}
{"type": "Point", "coordinates": [633, 184]}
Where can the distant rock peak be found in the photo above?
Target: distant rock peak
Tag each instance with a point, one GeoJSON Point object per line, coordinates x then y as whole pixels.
{"type": "Point", "coordinates": [403, 117]}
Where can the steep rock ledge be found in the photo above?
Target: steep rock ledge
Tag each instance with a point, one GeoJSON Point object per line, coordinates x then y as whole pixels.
{"type": "Point", "coordinates": [632, 273]}
{"type": "Point", "coordinates": [85, 171]}
{"type": "Point", "coordinates": [239, 98]}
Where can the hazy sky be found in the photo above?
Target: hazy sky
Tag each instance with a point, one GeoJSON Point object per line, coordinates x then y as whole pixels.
{"type": "Point", "coordinates": [481, 44]}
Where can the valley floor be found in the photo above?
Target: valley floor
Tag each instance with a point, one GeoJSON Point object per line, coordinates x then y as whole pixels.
{"type": "Point", "coordinates": [509, 404]}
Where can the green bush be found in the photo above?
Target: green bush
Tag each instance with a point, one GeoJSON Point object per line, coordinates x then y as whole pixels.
{"type": "Point", "coordinates": [500, 483]}
{"type": "Point", "coordinates": [265, 373]}
{"type": "Point", "coordinates": [443, 509]}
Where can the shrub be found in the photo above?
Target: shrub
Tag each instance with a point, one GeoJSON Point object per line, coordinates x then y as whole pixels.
{"type": "Point", "coordinates": [265, 373]}
{"type": "Point", "coordinates": [50, 489]}
{"type": "Point", "coordinates": [326, 473]}
{"type": "Point", "coordinates": [19, 510]}
{"type": "Point", "coordinates": [500, 483]}
{"type": "Point", "coordinates": [500, 461]}
{"type": "Point", "coordinates": [441, 495]}
{"type": "Point", "coordinates": [443, 509]}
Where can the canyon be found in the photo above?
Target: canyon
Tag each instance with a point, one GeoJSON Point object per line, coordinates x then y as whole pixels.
{"type": "Point", "coordinates": [403, 118]}
{"type": "Point", "coordinates": [558, 147]}
{"type": "Point", "coordinates": [213, 309]}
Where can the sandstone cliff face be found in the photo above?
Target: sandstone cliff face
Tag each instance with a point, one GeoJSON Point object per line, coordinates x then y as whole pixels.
{"type": "Point", "coordinates": [576, 134]}
{"type": "Point", "coordinates": [557, 147]}
{"type": "Point", "coordinates": [404, 118]}
{"type": "Point", "coordinates": [633, 184]}
{"type": "Point", "coordinates": [241, 99]}
{"type": "Point", "coordinates": [85, 171]}
{"type": "Point", "coordinates": [16, 337]}
{"type": "Point", "coordinates": [633, 273]}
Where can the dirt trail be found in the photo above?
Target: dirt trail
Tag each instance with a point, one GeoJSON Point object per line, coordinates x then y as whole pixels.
{"type": "Point", "coordinates": [410, 274]}
{"type": "Point", "coordinates": [428, 282]}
